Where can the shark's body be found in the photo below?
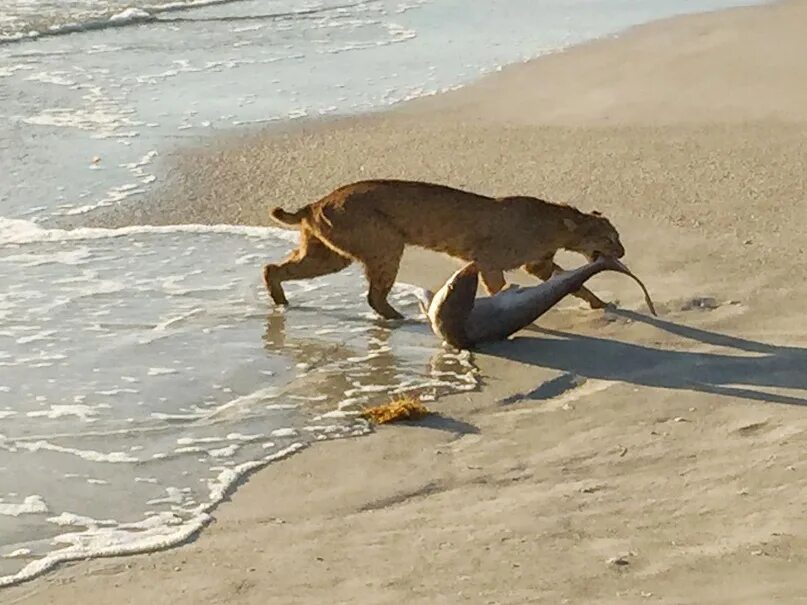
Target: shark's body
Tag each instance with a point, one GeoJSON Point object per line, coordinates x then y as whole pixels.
{"type": "Point", "coordinates": [463, 321]}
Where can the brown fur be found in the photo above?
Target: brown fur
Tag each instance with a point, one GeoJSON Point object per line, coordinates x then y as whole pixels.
{"type": "Point", "coordinates": [371, 222]}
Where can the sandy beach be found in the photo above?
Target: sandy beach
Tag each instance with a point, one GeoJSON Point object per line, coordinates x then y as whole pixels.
{"type": "Point", "coordinates": [608, 457]}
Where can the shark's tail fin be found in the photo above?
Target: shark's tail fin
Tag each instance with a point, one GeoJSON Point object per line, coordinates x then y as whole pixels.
{"type": "Point", "coordinates": [617, 265]}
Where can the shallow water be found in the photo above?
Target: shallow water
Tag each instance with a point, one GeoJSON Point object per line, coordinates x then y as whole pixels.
{"type": "Point", "coordinates": [153, 369]}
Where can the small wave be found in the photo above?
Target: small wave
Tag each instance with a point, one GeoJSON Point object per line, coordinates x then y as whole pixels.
{"type": "Point", "coordinates": [19, 231]}
{"type": "Point", "coordinates": [154, 533]}
{"type": "Point", "coordinates": [151, 13]}
{"type": "Point", "coordinates": [129, 16]}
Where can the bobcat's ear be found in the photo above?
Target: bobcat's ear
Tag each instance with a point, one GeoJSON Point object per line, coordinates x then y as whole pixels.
{"type": "Point", "coordinates": [596, 213]}
{"type": "Point", "coordinates": [570, 224]}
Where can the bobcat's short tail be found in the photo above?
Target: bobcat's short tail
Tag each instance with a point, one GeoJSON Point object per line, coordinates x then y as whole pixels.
{"type": "Point", "coordinates": [289, 218]}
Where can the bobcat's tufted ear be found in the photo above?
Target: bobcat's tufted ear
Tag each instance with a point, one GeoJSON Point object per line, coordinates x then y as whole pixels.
{"type": "Point", "coordinates": [570, 224]}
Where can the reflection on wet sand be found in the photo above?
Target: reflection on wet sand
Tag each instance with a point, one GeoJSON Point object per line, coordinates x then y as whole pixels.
{"type": "Point", "coordinates": [357, 367]}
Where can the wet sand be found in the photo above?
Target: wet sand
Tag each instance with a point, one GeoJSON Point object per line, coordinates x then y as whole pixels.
{"type": "Point", "coordinates": [608, 457]}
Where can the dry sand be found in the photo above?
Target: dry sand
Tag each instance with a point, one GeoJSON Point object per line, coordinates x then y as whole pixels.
{"type": "Point", "coordinates": [607, 458]}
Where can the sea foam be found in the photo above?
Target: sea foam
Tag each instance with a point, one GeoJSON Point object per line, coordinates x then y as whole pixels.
{"type": "Point", "coordinates": [152, 374]}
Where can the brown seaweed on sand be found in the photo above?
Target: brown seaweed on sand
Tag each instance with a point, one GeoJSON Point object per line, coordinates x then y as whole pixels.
{"type": "Point", "coordinates": [402, 408]}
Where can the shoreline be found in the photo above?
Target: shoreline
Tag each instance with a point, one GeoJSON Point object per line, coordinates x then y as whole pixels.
{"type": "Point", "coordinates": [439, 106]}
{"type": "Point", "coordinates": [479, 96]}
{"type": "Point", "coordinates": [217, 187]}
{"type": "Point", "coordinates": [558, 487]}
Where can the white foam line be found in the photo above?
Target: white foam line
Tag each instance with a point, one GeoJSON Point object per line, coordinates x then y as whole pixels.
{"type": "Point", "coordinates": [243, 402]}
{"type": "Point", "coordinates": [158, 539]}
{"type": "Point", "coordinates": [170, 322]}
{"type": "Point", "coordinates": [111, 433]}
{"type": "Point", "coordinates": [228, 477]}
{"type": "Point", "coordinates": [187, 4]}
{"type": "Point", "coordinates": [92, 455]}
{"type": "Point", "coordinates": [52, 77]}
{"type": "Point", "coordinates": [161, 371]}
{"type": "Point", "coordinates": [136, 167]}
{"type": "Point", "coordinates": [71, 519]}
{"type": "Point", "coordinates": [77, 553]}
{"type": "Point", "coordinates": [81, 411]}
{"type": "Point", "coordinates": [16, 231]}
{"type": "Point", "coordinates": [30, 506]}
{"type": "Point", "coordinates": [126, 17]}
{"type": "Point", "coordinates": [131, 16]}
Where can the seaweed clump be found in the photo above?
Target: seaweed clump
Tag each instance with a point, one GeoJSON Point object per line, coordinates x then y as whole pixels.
{"type": "Point", "coordinates": [402, 408]}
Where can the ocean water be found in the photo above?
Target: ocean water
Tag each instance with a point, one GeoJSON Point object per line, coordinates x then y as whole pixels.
{"type": "Point", "coordinates": [142, 370]}
{"type": "Point", "coordinates": [149, 374]}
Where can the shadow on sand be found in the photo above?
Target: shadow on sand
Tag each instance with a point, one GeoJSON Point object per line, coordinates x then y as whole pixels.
{"type": "Point", "coordinates": [756, 367]}
{"type": "Point", "coordinates": [444, 423]}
